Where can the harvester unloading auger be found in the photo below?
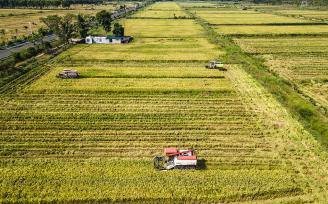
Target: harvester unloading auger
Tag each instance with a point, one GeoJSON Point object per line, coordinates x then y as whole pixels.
{"type": "Point", "coordinates": [176, 159]}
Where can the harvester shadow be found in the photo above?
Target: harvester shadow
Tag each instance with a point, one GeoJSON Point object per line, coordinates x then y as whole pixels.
{"type": "Point", "coordinates": [201, 164]}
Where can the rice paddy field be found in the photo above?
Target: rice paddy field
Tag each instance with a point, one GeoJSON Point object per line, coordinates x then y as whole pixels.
{"type": "Point", "coordinates": [312, 14]}
{"type": "Point", "coordinates": [293, 45]}
{"type": "Point", "coordinates": [302, 60]}
{"type": "Point", "coordinates": [244, 17]}
{"type": "Point", "coordinates": [92, 139]}
{"type": "Point", "coordinates": [163, 28]}
{"type": "Point", "coordinates": [304, 13]}
{"type": "Point", "coordinates": [164, 6]}
{"type": "Point", "coordinates": [273, 30]}
{"type": "Point", "coordinates": [159, 14]}
{"type": "Point", "coordinates": [165, 10]}
{"type": "Point", "coordinates": [200, 4]}
{"type": "Point", "coordinates": [156, 49]}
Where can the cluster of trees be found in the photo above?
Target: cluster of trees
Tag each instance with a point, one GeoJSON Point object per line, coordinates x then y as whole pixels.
{"type": "Point", "coordinates": [44, 3]}
{"type": "Point", "coordinates": [68, 26]}
{"type": "Point", "coordinates": [118, 30]}
{"type": "Point", "coordinates": [104, 18]}
{"type": "Point", "coordinates": [62, 26]}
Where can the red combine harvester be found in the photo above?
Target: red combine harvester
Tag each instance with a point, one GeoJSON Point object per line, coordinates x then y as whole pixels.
{"type": "Point", "coordinates": [176, 159]}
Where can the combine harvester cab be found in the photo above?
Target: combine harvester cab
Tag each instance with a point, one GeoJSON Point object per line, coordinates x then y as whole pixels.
{"type": "Point", "coordinates": [68, 74]}
{"type": "Point", "coordinates": [176, 159]}
{"type": "Point", "coordinates": [216, 65]}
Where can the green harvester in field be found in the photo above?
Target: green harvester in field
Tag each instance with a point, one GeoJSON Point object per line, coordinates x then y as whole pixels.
{"type": "Point", "coordinates": [216, 65]}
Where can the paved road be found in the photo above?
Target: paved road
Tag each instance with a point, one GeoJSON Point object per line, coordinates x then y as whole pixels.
{"type": "Point", "coordinates": [7, 52]}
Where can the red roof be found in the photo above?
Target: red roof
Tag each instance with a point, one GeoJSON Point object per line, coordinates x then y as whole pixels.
{"type": "Point", "coordinates": [187, 158]}
{"type": "Point", "coordinates": [170, 150]}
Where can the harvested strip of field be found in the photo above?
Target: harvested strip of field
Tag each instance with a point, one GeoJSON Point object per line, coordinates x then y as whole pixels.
{"type": "Point", "coordinates": [160, 14]}
{"type": "Point", "coordinates": [200, 4]}
{"type": "Point", "coordinates": [245, 17]}
{"type": "Point", "coordinates": [301, 67]}
{"type": "Point", "coordinates": [272, 30]}
{"type": "Point", "coordinates": [162, 28]}
{"type": "Point", "coordinates": [131, 84]}
{"type": "Point", "coordinates": [139, 70]}
{"type": "Point", "coordinates": [222, 11]}
{"type": "Point", "coordinates": [166, 6]}
{"type": "Point", "coordinates": [283, 45]}
{"type": "Point", "coordinates": [318, 90]}
{"type": "Point", "coordinates": [313, 14]}
{"type": "Point", "coordinates": [175, 49]}
{"type": "Point", "coordinates": [170, 11]}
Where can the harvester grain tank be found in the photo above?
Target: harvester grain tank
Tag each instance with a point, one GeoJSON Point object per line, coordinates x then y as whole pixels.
{"type": "Point", "coordinates": [68, 73]}
{"type": "Point", "coordinates": [176, 159]}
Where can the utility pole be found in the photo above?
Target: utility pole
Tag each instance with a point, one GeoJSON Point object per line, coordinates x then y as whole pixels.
{"type": "Point", "coordinates": [30, 25]}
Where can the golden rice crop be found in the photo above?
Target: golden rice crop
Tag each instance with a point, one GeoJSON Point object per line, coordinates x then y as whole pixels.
{"type": "Point", "coordinates": [176, 49]}
{"type": "Point", "coordinates": [245, 17]}
{"type": "Point", "coordinates": [183, 28]}
{"type": "Point", "coordinates": [160, 14]}
{"type": "Point", "coordinates": [92, 139]}
{"type": "Point", "coordinates": [272, 30]}
{"type": "Point", "coordinates": [170, 6]}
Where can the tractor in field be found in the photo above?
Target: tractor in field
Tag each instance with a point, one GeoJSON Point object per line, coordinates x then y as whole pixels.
{"type": "Point", "coordinates": [176, 159]}
{"type": "Point", "coordinates": [216, 65]}
{"type": "Point", "coordinates": [68, 73]}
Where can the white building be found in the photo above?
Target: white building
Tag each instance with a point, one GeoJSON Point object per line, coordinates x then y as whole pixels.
{"type": "Point", "coordinates": [108, 39]}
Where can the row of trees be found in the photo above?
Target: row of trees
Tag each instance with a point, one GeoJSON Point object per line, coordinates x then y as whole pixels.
{"type": "Point", "coordinates": [68, 26]}
{"type": "Point", "coordinates": [44, 3]}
